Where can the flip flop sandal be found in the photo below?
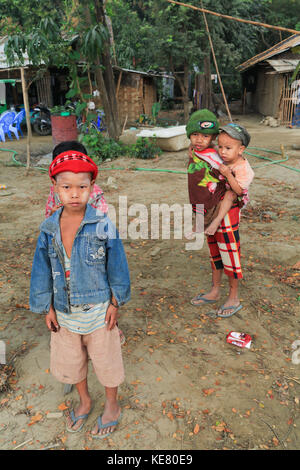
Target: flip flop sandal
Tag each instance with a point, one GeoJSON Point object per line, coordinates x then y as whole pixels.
{"type": "Point", "coordinates": [75, 419]}
{"type": "Point", "coordinates": [204, 300]}
{"type": "Point", "coordinates": [105, 426]}
{"type": "Point", "coordinates": [234, 309]}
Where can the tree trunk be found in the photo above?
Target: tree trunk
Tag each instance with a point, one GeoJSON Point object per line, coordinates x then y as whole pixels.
{"type": "Point", "coordinates": [106, 80]}
{"type": "Point", "coordinates": [207, 102]}
{"type": "Point", "coordinates": [27, 111]}
{"type": "Point", "coordinates": [186, 93]}
{"type": "Point", "coordinates": [184, 87]}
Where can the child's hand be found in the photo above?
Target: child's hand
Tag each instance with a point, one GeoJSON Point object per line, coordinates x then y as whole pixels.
{"type": "Point", "coordinates": [51, 320]}
{"type": "Point", "coordinates": [224, 170]}
{"type": "Point", "coordinates": [111, 316]}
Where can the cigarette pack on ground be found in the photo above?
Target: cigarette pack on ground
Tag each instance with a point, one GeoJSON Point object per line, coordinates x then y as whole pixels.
{"type": "Point", "coordinates": [242, 340]}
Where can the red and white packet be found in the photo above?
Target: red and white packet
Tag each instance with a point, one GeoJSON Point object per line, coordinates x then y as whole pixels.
{"type": "Point", "coordinates": [242, 340]}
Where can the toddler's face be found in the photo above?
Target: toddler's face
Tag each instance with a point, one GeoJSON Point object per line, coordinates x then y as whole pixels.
{"type": "Point", "coordinates": [73, 189]}
{"type": "Point", "coordinates": [201, 141]}
{"type": "Point", "coordinates": [229, 149]}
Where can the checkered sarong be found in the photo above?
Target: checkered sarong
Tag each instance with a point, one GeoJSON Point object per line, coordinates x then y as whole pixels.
{"type": "Point", "coordinates": [224, 245]}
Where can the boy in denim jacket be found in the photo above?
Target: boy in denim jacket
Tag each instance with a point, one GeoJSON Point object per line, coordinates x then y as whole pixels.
{"type": "Point", "coordinates": [79, 280]}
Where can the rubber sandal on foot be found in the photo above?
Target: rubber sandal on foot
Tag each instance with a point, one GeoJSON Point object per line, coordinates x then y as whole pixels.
{"type": "Point", "coordinates": [204, 300]}
{"type": "Point", "coordinates": [75, 419]}
{"type": "Point", "coordinates": [105, 426]}
{"type": "Point", "coordinates": [234, 309]}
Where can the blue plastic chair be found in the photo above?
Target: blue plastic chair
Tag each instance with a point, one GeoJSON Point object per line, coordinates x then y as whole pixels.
{"type": "Point", "coordinates": [17, 121]}
{"type": "Point", "coordinates": [6, 120]}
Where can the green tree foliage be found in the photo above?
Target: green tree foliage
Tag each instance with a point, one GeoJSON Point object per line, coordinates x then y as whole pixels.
{"type": "Point", "coordinates": [158, 35]}
{"type": "Point", "coordinates": [149, 34]}
{"type": "Point", "coordinates": [78, 39]}
{"type": "Point", "coordinates": [19, 15]}
{"type": "Point", "coordinates": [279, 13]}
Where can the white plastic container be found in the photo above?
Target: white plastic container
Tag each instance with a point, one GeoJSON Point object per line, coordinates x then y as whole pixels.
{"type": "Point", "coordinates": [170, 139]}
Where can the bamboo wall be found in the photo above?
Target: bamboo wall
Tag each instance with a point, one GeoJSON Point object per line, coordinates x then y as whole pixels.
{"type": "Point", "coordinates": [289, 100]}
{"type": "Point", "coordinates": [136, 95]}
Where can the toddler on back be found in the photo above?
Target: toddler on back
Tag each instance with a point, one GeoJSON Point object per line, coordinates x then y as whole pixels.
{"type": "Point", "coordinates": [232, 141]}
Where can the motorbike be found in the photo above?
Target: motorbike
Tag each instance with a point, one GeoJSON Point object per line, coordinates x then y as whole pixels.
{"type": "Point", "coordinates": [41, 120]}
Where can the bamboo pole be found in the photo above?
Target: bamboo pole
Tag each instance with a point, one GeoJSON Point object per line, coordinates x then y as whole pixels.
{"type": "Point", "coordinates": [119, 83]}
{"type": "Point", "coordinates": [216, 65]}
{"type": "Point", "coordinates": [288, 106]}
{"type": "Point", "coordinates": [241, 20]}
{"type": "Point", "coordinates": [27, 111]}
{"type": "Point", "coordinates": [284, 102]}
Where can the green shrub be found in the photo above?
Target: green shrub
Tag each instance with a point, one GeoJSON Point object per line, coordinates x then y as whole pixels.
{"type": "Point", "coordinates": [101, 148]}
{"type": "Point", "coordinates": [145, 148]}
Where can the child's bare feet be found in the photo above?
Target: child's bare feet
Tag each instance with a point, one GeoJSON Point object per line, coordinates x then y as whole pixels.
{"type": "Point", "coordinates": [192, 235]}
{"type": "Point", "coordinates": [212, 228]}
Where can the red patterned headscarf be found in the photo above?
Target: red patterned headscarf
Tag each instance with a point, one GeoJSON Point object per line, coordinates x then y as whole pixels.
{"type": "Point", "coordinates": [74, 161]}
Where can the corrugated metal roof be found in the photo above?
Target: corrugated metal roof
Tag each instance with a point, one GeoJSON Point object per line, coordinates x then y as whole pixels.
{"type": "Point", "coordinates": [149, 74]}
{"type": "Point", "coordinates": [284, 65]}
{"type": "Point", "coordinates": [278, 48]}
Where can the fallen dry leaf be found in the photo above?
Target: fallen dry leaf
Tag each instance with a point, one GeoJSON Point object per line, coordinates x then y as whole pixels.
{"type": "Point", "coordinates": [196, 429]}
{"type": "Point", "coordinates": [62, 407]}
{"type": "Point", "coordinates": [26, 306]}
{"type": "Point", "coordinates": [35, 419]}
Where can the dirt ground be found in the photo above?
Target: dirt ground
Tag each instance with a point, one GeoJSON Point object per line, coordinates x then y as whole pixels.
{"type": "Point", "coordinates": [185, 387]}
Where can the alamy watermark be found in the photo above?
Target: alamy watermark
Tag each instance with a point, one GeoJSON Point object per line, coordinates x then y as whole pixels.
{"type": "Point", "coordinates": [159, 222]}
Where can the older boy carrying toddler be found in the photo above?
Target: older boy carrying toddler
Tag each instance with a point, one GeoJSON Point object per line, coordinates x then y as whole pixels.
{"type": "Point", "coordinates": [224, 242]}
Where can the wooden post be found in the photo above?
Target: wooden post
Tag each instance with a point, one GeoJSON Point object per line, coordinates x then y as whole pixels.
{"type": "Point", "coordinates": [244, 100]}
{"type": "Point", "coordinates": [207, 96]}
{"type": "Point", "coordinates": [27, 111]}
{"type": "Point", "coordinates": [255, 23]}
{"type": "Point", "coordinates": [216, 66]}
{"type": "Point", "coordinates": [119, 83]}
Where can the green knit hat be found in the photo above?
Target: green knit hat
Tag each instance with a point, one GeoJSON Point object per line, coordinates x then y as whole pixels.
{"type": "Point", "coordinates": [203, 121]}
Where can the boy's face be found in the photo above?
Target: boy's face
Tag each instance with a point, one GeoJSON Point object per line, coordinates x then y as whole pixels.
{"type": "Point", "coordinates": [201, 141]}
{"type": "Point", "coordinates": [229, 149]}
{"type": "Point", "coordinates": [73, 189]}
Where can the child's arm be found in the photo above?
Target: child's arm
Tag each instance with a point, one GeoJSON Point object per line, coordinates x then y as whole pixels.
{"type": "Point", "coordinates": [41, 282]}
{"type": "Point", "coordinates": [226, 171]}
{"type": "Point", "coordinates": [112, 313]}
{"type": "Point", "coordinates": [116, 262]}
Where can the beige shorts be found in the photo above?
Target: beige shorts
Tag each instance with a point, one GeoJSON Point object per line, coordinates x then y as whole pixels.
{"type": "Point", "coordinates": [70, 352]}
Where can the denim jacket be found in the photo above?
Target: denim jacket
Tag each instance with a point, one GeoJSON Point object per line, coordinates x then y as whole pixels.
{"type": "Point", "coordinates": [98, 265]}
